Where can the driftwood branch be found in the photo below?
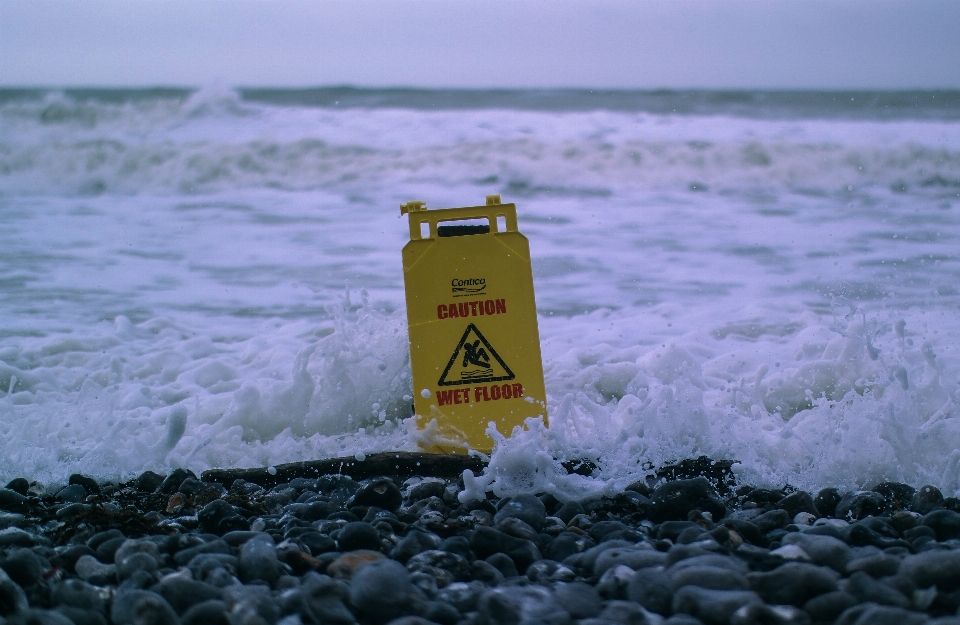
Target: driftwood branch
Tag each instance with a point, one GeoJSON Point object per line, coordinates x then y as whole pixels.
{"type": "Point", "coordinates": [394, 463]}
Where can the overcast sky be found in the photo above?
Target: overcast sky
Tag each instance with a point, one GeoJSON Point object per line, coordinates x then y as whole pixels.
{"type": "Point", "coordinates": [829, 44]}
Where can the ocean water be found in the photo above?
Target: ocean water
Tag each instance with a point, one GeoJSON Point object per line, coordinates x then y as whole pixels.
{"type": "Point", "coordinates": [212, 278]}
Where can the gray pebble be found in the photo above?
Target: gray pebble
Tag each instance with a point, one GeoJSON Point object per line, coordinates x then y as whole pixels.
{"type": "Point", "coordinates": [878, 565]}
{"type": "Point", "coordinates": [944, 523]}
{"type": "Point", "coordinates": [323, 600]}
{"type": "Point", "coordinates": [867, 589]}
{"type": "Point", "coordinates": [39, 617]}
{"type": "Point", "coordinates": [940, 568]}
{"type": "Point", "coordinates": [927, 499]}
{"type": "Point", "coordinates": [73, 493]}
{"type": "Point", "coordinates": [712, 577]}
{"type": "Point", "coordinates": [258, 561]}
{"type": "Point", "coordinates": [381, 591]}
{"type": "Point", "coordinates": [633, 557]}
{"type": "Point", "coordinates": [794, 583]}
{"type": "Point", "coordinates": [827, 607]}
{"type": "Point", "coordinates": [872, 614]}
{"type": "Point", "coordinates": [414, 542]}
{"type": "Point", "coordinates": [457, 566]}
{"type": "Point", "coordinates": [713, 607]}
{"type": "Point", "coordinates": [211, 612]}
{"type": "Point", "coordinates": [625, 613]}
{"type": "Point", "coordinates": [358, 535]}
{"type": "Point", "coordinates": [12, 597]}
{"type": "Point", "coordinates": [527, 508]}
{"type": "Point", "coordinates": [79, 616]}
{"type": "Point", "coordinates": [23, 566]}
{"type": "Point", "coordinates": [823, 550]}
{"type": "Point", "coordinates": [652, 589]}
{"type": "Point", "coordinates": [183, 592]}
{"type": "Point", "coordinates": [579, 599]}
{"type": "Point", "coordinates": [77, 594]}
{"type": "Point", "coordinates": [134, 607]}
{"type": "Point", "coordinates": [92, 570]}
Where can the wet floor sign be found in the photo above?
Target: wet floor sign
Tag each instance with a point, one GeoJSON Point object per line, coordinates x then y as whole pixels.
{"type": "Point", "coordinates": [474, 342]}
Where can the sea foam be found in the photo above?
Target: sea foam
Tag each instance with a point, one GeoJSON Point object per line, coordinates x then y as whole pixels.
{"type": "Point", "coordinates": [206, 281]}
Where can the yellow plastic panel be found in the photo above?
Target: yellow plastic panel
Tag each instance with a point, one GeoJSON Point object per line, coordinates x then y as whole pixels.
{"type": "Point", "coordinates": [474, 340]}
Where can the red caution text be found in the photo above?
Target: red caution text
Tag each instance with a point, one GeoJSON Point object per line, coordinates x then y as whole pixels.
{"type": "Point", "coordinates": [472, 309]}
{"type": "Point", "coordinates": [480, 393]}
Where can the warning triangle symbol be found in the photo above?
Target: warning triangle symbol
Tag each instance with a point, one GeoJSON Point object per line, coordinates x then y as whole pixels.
{"type": "Point", "coordinates": [474, 361]}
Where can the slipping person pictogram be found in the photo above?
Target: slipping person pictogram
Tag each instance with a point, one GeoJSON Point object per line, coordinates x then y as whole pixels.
{"type": "Point", "coordinates": [478, 362]}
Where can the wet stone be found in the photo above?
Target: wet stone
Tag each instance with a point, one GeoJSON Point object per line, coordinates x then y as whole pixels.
{"type": "Point", "coordinates": [503, 563]}
{"type": "Point", "coordinates": [859, 505]}
{"type": "Point", "coordinates": [358, 535]}
{"type": "Point", "coordinates": [772, 520]}
{"type": "Point", "coordinates": [182, 592]}
{"type": "Point", "coordinates": [23, 566]}
{"type": "Point", "coordinates": [944, 523]}
{"type": "Point", "coordinates": [89, 484]}
{"type": "Point", "coordinates": [713, 607]}
{"type": "Point", "coordinates": [794, 583]}
{"type": "Point", "coordinates": [18, 485]}
{"type": "Point", "coordinates": [91, 570]}
{"type": "Point", "coordinates": [673, 501]}
{"type": "Point", "coordinates": [173, 481]}
{"type": "Point", "coordinates": [580, 600]}
{"type": "Point", "coordinates": [214, 513]}
{"type": "Point", "coordinates": [927, 499]}
{"type": "Point", "coordinates": [826, 502]}
{"type": "Point", "coordinates": [381, 493]}
{"type": "Point", "coordinates": [345, 565]}
{"type": "Point", "coordinates": [795, 503]}
{"type": "Point", "coordinates": [258, 561]}
{"type": "Point", "coordinates": [142, 606]}
{"type": "Point", "coordinates": [526, 508]}
{"type": "Point", "coordinates": [213, 612]}
{"type": "Point", "coordinates": [382, 591]}
{"type": "Point", "coordinates": [652, 589]}
{"type": "Point", "coordinates": [12, 501]}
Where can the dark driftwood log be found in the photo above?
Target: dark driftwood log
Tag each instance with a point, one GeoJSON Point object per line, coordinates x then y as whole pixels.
{"type": "Point", "coordinates": [393, 463]}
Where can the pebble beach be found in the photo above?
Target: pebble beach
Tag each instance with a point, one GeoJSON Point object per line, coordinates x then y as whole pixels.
{"type": "Point", "coordinates": [681, 549]}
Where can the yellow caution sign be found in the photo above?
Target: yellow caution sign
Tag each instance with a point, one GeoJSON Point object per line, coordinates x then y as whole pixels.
{"type": "Point", "coordinates": [474, 341]}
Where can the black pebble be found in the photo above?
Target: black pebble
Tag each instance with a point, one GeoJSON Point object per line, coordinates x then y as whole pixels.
{"type": "Point", "coordinates": [89, 484]}
{"type": "Point", "coordinates": [382, 493]}
{"type": "Point", "coordinates": [19, 485]}
{"type": "Point", "coordinates": [358, 535]}
{"type": "Point", "coordinates": [503, 563]}
{"type": "Point", "coordinates": [215, 512]}
{"type": "Point", "coordinates": [860, 505]}
{"type": "Point", "coordinates": [148, 482]}
{"type": "Point", "coordinates": [927, 499]}
{"type": "Point", "coordinates": [425, 490]}
{"type": "Point", "coordinates": [673, 501]}
{"type": "Point", "coordinates": [12, 501]}
{"type": "Point", "coordinates": [101, 537]}
{"type": "Point", "coordinates": [23, 566]}
{"type": "Point", "coordinates": [80, 616]}
{"type": "Point", "coordinates": [527, 508]}
{"type": "Point", "coordinates": [945, 523]}
{"type": "Point", "coordinates": [826, 501]}
{"type": "Point", "coordinates": [108, 549]}
{"type": "Point", "coordinates": [173, 481]}
{"type": "Point", "coordinates": [190, 487]}
{"type": "Point", "coordinates": [798, 502]}
{"type": "Point", "coordinates": [212, 612]}
{"type": "Point", "coordinates": [568, 510]}
{"type": "Point", "coordinates": [898, 496]}
{"type": "Point", "coordinates": [74, 493]}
